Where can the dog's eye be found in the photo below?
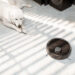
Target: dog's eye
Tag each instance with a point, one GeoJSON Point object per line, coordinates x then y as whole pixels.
{"type": "Point", "coordinates": [20, 18]}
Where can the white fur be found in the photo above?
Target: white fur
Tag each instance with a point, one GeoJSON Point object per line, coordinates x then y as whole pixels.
{"type": "Point", "coordinates": [19, 3]}
{"type": "Point", "coordinates": [11, 14]}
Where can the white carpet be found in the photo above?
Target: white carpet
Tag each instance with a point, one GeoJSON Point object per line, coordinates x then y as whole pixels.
{"type": "Point", "coordinates": [26, 54]}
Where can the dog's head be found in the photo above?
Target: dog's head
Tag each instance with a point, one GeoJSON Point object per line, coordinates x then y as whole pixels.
{"type": "Point", "coordinates": [17, 17]}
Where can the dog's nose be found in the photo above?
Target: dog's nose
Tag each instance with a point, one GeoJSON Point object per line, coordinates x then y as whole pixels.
{"type": "Point", "coordinates": [19, 26]}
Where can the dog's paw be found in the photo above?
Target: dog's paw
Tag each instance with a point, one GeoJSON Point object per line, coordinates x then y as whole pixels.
{"type": "Point", "coordinates": [25, 5]}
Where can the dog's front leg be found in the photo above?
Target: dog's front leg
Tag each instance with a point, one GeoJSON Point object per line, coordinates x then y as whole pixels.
{"type": "Point", "coordinates": [21, 4]}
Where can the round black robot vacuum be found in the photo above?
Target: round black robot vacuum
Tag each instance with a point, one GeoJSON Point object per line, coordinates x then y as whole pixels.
{"type": "Point", "coordinates": [58, 48]}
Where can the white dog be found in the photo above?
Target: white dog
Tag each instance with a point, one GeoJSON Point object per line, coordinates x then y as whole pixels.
{"type": "Point", "coordinates": [11, 14]}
